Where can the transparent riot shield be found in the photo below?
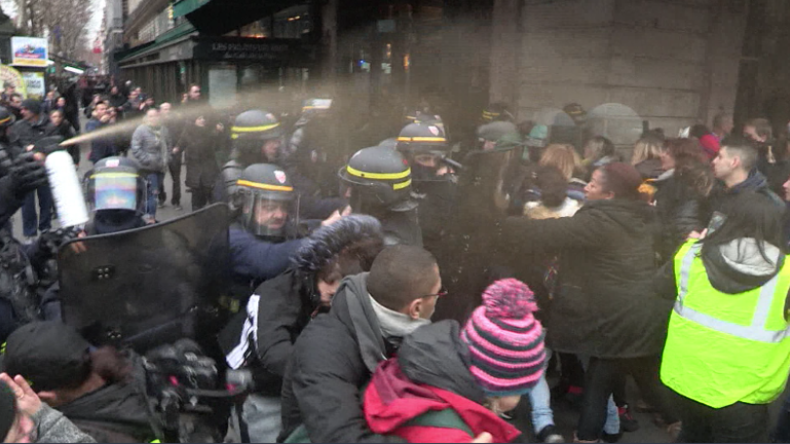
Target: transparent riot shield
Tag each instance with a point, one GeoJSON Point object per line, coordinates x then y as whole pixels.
{"type": "Point", "coordinates": [148, 286]}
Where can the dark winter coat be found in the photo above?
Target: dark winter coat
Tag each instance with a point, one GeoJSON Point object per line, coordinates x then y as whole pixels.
{"type": "Point", "coordinates": [114, 413]}
{"type": "Point", "coordinates": [29, 132]}
{"type": "Point", "coordinates": [401, 227]}
{"type": "Point", "coordinates": [101, 147]}
{"type": "Point", "coordinates": [65, 131]}
{"type": "Point", "coordinates": [604, 305]}
{"type": "Point", "coordinates": [332, 361]}
{"type": "Point", "coordinates": [754, 183]}
{"type": "Point", "coordinates": [680, 210]}
{"type": "Point", "coordinates": [428, 394]}
{"type": "Point", "coordinates": [201, 162]}
{"type": "Point", "coordinates": [649, 169]}
{"type": "Point", "coordinates": [437, 201]}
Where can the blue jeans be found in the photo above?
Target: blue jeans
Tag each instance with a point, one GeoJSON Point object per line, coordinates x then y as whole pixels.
{"type": "Point", "coordinates": [540, 399]}
{"type": "Point", "coordinates": [153, 179]}
{"type": "Point", "coordinates": [31, 222]}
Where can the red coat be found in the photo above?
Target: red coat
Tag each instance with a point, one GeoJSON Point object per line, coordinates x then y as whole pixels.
{"type": "Point", "coordinates": [394, 405]}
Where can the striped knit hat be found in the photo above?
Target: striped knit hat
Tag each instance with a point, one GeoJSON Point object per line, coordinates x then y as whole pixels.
{"type": "Point", "coordinates": [505, 341]}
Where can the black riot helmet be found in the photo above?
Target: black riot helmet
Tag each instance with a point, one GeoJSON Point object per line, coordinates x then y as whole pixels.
{"type": "Point", "coordinates": [256, 125]}
{"type": "Point", "coordinates": [115, 183]}
{"type": "Point", "coordinates": [497, 112]}
{"type": "Point", "coordinates": [424, 145]}
{"type": "Point", "coordinates": [377, 179]}
{"type": "Point", "coordinates": [267, 198]}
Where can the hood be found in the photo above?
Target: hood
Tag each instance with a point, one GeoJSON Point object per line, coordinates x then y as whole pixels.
{"type": "Point", "coordinates": [755, 182]}
{"type": "Point", "coordinates": [434, 355]}
{"type": "Point", "coordinates": [633, 216]}
{"type": "Point", "coordinates": [351, 304]}
{"type": "Point", "coordinates": [432, 376]}
{"type": "Point", "coordinates": [123, 407]}
{"type": "Point", "coordinates": [739, 266]}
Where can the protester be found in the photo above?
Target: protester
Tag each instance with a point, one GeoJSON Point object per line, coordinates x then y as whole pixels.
{"type": "Point", "coordinates": [565, 158]}
{"type": "Point", "coordinates": [25, 418]}
{"type": "Point", "coordinates": [598, 152]}
{"type": "Point", "coordinates": [198, 144]}
{"type": "Point", "coordinates": [730, 290]}
{"type": "Point", "coordinates": [151, 147]}
{"type": "Point", "coordinates": [174, 128]}
{"type": "Point", "coordinates": [336, 354]}
{"type": "Point", "coordinates": [647, 157]}
{"type": "Point", "coordinates": [450, 385]}
{"type": "Point", "coordinates": [100, 390]}
{"type": "Point", "coordinates": [606, 310]}
{"type": "Point", "coordinates": [101, 146]}
{"type": "Point", "coordinates": [59, 126]}
{"type": "Point", "coordinates": [722, 126]}
{"type": "Point", "coordinates": [28, 131]}
{"type": "Point", "coordinates": [283, 306]}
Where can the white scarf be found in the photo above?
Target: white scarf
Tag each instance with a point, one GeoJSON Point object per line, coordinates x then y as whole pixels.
{"type": "Point", "coordinates": [395, 325]}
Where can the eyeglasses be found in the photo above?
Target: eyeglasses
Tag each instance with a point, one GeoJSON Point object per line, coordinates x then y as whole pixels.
{"type": "Point", "coordinates": [442, 292]}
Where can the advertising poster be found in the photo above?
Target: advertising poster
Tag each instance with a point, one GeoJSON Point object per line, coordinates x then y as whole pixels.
{"type": "Point", "coordinates": [29, 51]}
{"type": "Point", "coordinates": [9, 75]}
{"type": "Point", "coordinates": [34, 85]}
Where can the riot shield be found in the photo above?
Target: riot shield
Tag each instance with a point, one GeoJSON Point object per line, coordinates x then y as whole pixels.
{"type": "Point", "coordinates": [468, 256]}
{"type": "Point", "coordinates": [148, 286]}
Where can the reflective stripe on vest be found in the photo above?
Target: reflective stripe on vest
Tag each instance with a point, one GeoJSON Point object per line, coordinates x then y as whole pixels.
{"type": "Point", "coordinates": [754, 332]}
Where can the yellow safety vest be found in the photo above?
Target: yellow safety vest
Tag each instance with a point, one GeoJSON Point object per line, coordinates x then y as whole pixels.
{"type": "Point", "coordinates": [726, 348]}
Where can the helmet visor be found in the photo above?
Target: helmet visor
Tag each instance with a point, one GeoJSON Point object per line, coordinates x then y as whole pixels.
{"type": "Point", "coordinates": [115, 191]}
{"type": "Point", "coordinates": [264, 215]}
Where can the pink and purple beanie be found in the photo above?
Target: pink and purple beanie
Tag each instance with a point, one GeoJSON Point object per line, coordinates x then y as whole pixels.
{"type": "Point", "coordinates": [505, 341]}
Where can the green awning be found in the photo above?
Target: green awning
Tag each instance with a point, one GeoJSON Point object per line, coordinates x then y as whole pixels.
{"type": "Point", "coordinates": [179, 31]}
{"type": "Point", "coordinates": [184, 7]}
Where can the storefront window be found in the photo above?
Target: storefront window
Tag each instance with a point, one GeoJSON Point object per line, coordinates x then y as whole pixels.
{"type": "Point", "coordinates": [258, 29]}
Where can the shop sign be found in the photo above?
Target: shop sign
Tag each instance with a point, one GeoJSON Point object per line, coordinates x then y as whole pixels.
{"type": "Point", "coordinates": [34, 85]}
{"type": "Point", "coordinates": [29, 51]}
{"type": "Point", "coordinates": [253, 50]}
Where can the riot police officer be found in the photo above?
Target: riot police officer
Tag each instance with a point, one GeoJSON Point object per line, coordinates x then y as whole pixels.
{"type": "Point", "coordinates": [424, 145]}
{"type": "Point", "coordinates": [378, 182]}
{"type": "Point", "coordinates": [257, 137]}
{"type": "Point", "coordinates": [267, 231]}
{"type": "Point", "coordinates": [115, 191]}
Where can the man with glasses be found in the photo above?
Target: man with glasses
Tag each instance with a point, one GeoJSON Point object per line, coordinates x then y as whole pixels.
{"type": "Point", "coordinates": [338, 352]}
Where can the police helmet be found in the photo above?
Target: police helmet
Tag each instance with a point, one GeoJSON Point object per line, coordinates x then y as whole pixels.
{"type": "Point", "coordinates": [115, 183]}
{"type": "Point", "coordinates": [499, 135]}
{"type": "Point", "coordinates": [266, 196]}
{"type": "Point", "coordinates": [497, 112]}
{"type": "Point", "coordinates": [377, 178]}
{"type": "Point", "coordinates": [256, 125]}
{"type": "Point", "coordinates": [422, 138]}
{"type": "Point", "coordinates": [6, 118]}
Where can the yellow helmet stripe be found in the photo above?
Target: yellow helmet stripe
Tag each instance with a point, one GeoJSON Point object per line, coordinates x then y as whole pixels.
{"type": "Point", "coordinates": [263, 186]}
{"type": "Point", "coordinates": [5, 120]}
{"type": "Point", "coordinates": [93, 176]}
{"type": "Point", "coordinates": [253, 129]}
{"type": "Point", "coordinates": [382, 176]}
{"type": "Point", "coordinates": [422, 139]}
{"type": "Point", "coordinates": [401, 185]}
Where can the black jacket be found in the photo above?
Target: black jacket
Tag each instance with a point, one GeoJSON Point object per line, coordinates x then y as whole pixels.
{"type": "Point", "coordinates": [201, 162]}
{"type": "Point", "coordinates": [29, 132]}
{"type": "Point", "coordinates": [680, 210]}
{"type": "Point", "coordinates": [332, 361]}
{"type": "Point", "coordinates": [114, 413]}
{"type": "Point", "coordinates": [650, 168]}
{"type": "Point", "coordinates": [755, 183]}
{"type": "Point", "coordinates": [604, 305]}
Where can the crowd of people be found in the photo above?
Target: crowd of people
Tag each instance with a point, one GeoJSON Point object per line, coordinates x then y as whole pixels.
{"type": "Point", "coordinates": [361, 309]}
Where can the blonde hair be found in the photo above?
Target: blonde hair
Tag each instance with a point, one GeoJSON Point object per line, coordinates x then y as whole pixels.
{"type": "Point", "coordinates": [563, 157]}
{"type": "Point", "coordinates": [646, 148]}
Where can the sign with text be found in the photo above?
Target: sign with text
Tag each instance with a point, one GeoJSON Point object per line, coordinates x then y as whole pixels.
{"type": "Point", "coordinates": [29, 51]}
{"type": "Point", "coordinates": [240, 49]}
{"type": "Point", "coordinates": [11, 77]}
{"type": "Point", "coordinates": [34, 85]}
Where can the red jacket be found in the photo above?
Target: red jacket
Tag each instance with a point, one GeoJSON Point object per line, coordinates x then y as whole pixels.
{"type": "Point", "coordinates": [394, 405]}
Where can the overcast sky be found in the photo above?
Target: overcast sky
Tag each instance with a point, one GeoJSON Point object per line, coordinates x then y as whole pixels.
{"type": "Point", "coordinates": [9, 7]}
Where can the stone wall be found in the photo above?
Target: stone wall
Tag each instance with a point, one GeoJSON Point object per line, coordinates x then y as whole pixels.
{"type": "Point", "coordinates": [673, 63]}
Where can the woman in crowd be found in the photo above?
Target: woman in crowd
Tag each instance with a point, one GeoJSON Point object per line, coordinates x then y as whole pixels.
{"type": "Point", "coordinates": [598, 152]}
{"type": "Point", "coordinates": [564, 158]}
{"type": "Point", "coordinates": [604, 307]}
{"type": "Point", "coordinates": [647, 156]}
{"type": "Point", "coordinates": [59, 126]}
{"type": "Point", "coordinates": [447, 385]}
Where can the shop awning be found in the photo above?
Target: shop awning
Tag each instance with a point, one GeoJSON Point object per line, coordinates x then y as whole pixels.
{"type": "Point", "coordinates": [218, 17]}
{"type": "Point", "coordinates": [163, 40]}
